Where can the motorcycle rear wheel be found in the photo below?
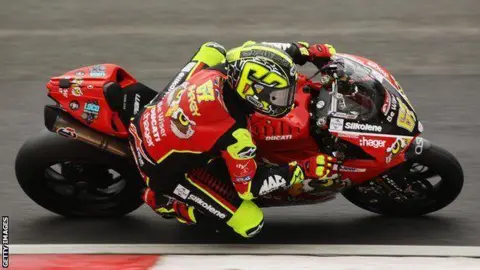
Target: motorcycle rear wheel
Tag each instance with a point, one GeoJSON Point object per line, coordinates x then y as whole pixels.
{"type": "Point", "coordinates": [439, 163]}
{"type": "Point", "coordinates": [73, 179]}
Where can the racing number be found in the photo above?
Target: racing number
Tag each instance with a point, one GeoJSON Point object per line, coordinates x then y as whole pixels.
{"type": "Point", "coordinates": [406, 118]}
{"type": "Point", "coordinates": [261, 73]}
{"type": "Point", "coordinates": [205, 92]}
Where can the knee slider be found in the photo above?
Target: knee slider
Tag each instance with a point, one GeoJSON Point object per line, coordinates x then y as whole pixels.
{"type": "Point", "coordinates": [247, 220]}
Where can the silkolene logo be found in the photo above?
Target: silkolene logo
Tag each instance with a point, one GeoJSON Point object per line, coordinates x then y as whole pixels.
{"type": "Point", "coordinates": [363, 127]}
{"type": "Point", "coordinates": [372, 143]}
{"type": "Point", "coordinates": [207, 206]}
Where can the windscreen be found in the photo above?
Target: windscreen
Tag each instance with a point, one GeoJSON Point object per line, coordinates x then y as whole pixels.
{"type": "Point", "coordinates": [362, 96]}
{"type": "Point", "coordinates": [371, 94]}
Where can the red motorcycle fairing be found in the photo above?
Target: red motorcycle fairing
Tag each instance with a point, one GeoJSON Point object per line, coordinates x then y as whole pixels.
{"type": "Point", "coordinates": [289, 138]}
{"type": "Point", "coordinates": [279, 139]}
{"type": "Point", "coordinates": [80, 92]}
{"type": "Point", "coordinates": [388, 151]}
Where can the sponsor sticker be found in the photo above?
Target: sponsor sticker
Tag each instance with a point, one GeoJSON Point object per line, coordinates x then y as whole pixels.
{"type": "Point", "coordinates": [157, 122]}
{"type": "Point", "coordinates": [174, 96]}
{"type": "Point", "coordinates": [351, 169]}
{"type": "Point", "coordinates": [80, 73]}
{"type": "Point", "coordinates": [206, 206]}
{"type": "Point", "coordinates": [75, 85]}
{"type": "Point", "coordinates": [395, 148]}
{"type": "Point", "coordinates": [181, 125]}
{"type": "Point", "coordinates": [272, 183]}
{"type": "Point", "coordinates": [74, 105]}
{"type": "Point", "coordinates": [392, 109]}
{"type": "Point", "coordinates": [91, 111]}
{"type": "Point", "coordinates": [176, 80]}
{"type": "Point", "coordinates": [362, 127]}
{"type": "Point", "coordinates": [278, 138]}
{"type": "Point", "coordinates": [136, 104]}
{"type": "Point", "coordinates": [336, 124]}
{"type": "Point", "coordinates": [76, 82]}
{"type": "Point", "coordinates": [406, 118]}
{"type": "Point", "coordinates": [161, 124]}
{"type": "Point", "coordinates": [243, 179]}
{"type": "Point", "coordinates": [348, 135]}
{"type": "Point", "coordinates": [63, 91]}
{"type": "Point", "coordinates": [146, 128]}
{"type": "Point", "coordinates": [181, 192]}
{"type": "Point", "coordinates": [67, 132]}
{"type": "Point", "coordinates": [372, 143]}
{"type": "Point", "coordinates": [77, 91]}
{"type": "Point", "coordinates": [345, 115]}
{"type": "Point", "coordinates": [192, 102]}
{"type": "Point", "coordinates": [418, 146]}
{"type": "Point", "coordinates": [98, 71]}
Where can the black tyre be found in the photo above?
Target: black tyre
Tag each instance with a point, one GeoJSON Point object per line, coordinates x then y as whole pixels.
{"type": "Point", "coordinates": [434, 176]}
{"type": "Point", "coordinates": [74, 179]}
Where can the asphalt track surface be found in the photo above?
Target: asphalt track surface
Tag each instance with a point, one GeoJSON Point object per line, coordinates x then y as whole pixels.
{"type": "Point", "coordinates": [431, 46]}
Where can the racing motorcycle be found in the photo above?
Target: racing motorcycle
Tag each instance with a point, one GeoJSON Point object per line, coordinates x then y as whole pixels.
{"type": "Point", "coordinates": [82, 166]}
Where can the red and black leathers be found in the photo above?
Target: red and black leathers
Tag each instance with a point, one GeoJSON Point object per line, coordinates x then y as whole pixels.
{"type": "Point", "coordinates": [183, 132]}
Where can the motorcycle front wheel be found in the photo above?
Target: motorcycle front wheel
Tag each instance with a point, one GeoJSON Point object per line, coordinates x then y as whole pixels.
{"type": "Point", "coordinates": [430, 181]}
{"type": "Point", "coordinates": [73, 179]}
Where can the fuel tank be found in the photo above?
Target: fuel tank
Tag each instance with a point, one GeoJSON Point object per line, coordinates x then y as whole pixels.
{"type": "Point", "coordinates": [281, 140]}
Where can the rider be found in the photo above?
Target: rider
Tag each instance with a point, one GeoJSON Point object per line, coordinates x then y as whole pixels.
{"type": "Point", "coordinates": [191, 142]}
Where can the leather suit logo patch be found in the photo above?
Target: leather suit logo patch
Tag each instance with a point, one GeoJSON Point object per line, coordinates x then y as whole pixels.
{"type": "Point", "coordinates": [181, 125]}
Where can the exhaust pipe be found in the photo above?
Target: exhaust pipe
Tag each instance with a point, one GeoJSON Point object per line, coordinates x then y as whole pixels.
{"type": "Point", "coordinates": [58, 121]}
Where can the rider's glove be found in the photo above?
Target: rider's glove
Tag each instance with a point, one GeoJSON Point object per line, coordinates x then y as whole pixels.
{"type": "Point", "coordinates": [320, 167]}
{"type": "Point", "coordinates": [318, 54]}
{"type": "Point", "coordinates": [297, 174]}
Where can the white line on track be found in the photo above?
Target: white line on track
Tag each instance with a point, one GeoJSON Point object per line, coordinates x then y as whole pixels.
{"type": "Point", "coordinates": [250, 249]}
{"type": "Point", "coordinates": [181, 262]}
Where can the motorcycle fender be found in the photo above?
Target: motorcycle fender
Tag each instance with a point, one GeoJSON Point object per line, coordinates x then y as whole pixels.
{"type": "Point", "coordinates": [417, 147]}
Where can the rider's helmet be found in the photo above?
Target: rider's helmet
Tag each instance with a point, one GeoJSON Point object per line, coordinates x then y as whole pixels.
{"type": "Point", "coordinates": [263, 76]}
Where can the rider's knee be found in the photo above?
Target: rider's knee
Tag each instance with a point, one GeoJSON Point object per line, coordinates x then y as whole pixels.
{"type": "Point", "coordinates": [247, 220]}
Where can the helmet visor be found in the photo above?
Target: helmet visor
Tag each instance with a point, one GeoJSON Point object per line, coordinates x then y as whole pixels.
{"type": "Point", "coordinates": [282, 97]}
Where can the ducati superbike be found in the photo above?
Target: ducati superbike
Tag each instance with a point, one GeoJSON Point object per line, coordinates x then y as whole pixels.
{"type": "Point", "coordinates": [81, 164]}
